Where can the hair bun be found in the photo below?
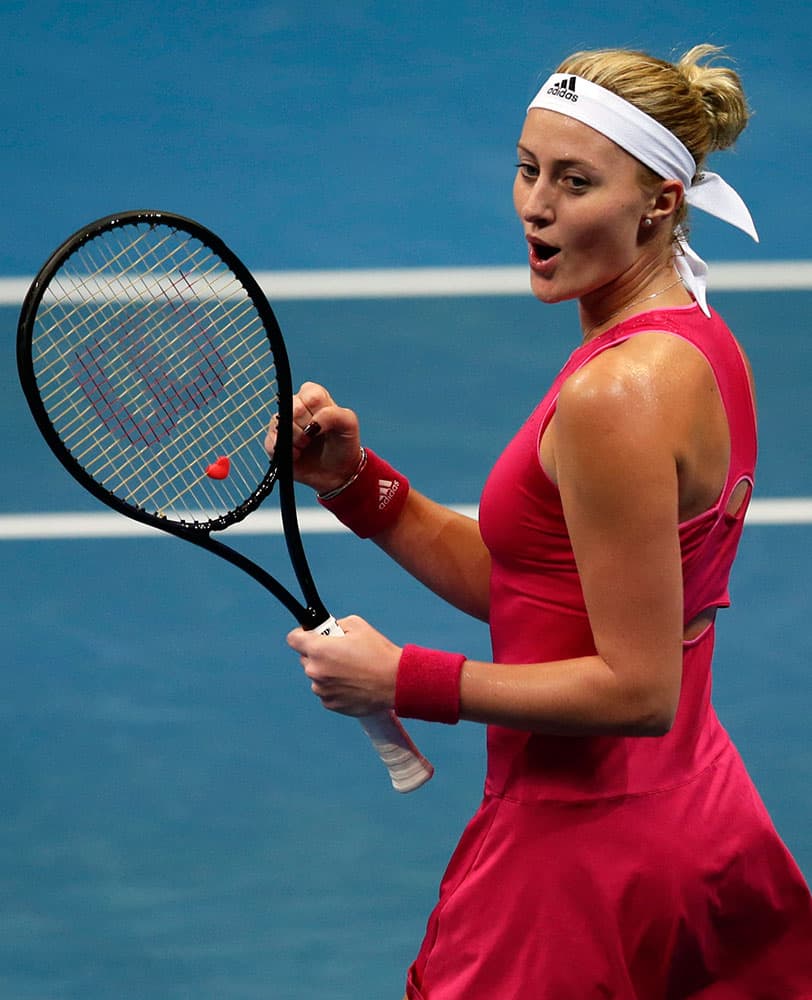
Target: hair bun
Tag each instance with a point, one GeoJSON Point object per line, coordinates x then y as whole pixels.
{"type": "Point", "coordinates": [720, 91]}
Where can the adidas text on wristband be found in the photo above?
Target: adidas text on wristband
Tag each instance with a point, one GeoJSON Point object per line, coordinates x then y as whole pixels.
{"type": "Point", "coordinates": [371, 500]}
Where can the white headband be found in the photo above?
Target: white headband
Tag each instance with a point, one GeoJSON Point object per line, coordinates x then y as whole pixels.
{"type": "Point", "coordinates": [656, 147]}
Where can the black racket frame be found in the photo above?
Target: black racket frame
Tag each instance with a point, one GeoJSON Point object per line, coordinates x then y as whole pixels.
{"type": "Point", "coordinates": [310, 614]}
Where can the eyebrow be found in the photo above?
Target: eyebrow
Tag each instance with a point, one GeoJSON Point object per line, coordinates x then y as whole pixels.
{"type": "Point", "coordinates": [563, 163]}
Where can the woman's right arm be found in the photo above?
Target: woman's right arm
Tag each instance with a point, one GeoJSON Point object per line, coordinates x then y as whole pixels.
{"type": "Point", "coordinates": [443, 550]}
{"type": "Point", "coordinates": [439, 547]}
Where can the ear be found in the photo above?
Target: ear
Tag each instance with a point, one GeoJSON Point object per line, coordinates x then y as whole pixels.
{"type": "Point", "coordinates": [664, 203]}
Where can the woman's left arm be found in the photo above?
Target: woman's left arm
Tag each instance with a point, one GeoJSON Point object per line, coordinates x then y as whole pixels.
{"type": "Point", "coordinates": [615, 441]}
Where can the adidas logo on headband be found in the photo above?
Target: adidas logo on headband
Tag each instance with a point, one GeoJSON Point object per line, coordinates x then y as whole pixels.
{"type": "Point", "coordinates": [564, 88]}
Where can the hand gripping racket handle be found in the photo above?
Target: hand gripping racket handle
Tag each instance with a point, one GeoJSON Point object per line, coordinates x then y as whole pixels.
{"type": "Point", "coordinates": [407, 767]}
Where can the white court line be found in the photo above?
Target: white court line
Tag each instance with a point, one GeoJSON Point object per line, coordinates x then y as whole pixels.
{"type": "Point", "coordinates": [420, 282]}
{"type": "Point", "coordinates": [428, 282]}
{"type": "Point", "coordinates": [313, 521]}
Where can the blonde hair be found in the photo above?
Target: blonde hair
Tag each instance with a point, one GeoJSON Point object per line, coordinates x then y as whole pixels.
{"type": "Point", "coordinates": [697, 99]}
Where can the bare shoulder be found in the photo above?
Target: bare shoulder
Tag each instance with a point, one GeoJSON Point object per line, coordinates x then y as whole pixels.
{"type": "Point", "coordinates": [637, 412]}
{"type": "Point", "coordinates": [651, 376]}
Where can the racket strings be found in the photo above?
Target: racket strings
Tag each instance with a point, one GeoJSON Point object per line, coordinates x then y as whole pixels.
{"type": "Point", "coordinates": [152, 361]}
{"type": "Point", "coordinates": [175, 484]}
{"type": "Point", "coordinates": [115, 278]}
{"type": "Point", "coordinates": [81, 289]}
{"type": "Point", "coordinates": [172, 473]}
{"type": "Point", "coordinates": [255, 392]}
{"type": "Point", "coordinates": [168, 489]}
{"type": "Point", "coordinates": [132, 378]}
{"type": "Point", "coordinates": [171, 343]}
{"type": "Point", "coordinates": [164, 486]}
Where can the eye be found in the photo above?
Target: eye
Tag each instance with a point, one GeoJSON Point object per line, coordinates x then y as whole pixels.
{"type": "Point", "coordinates": [576, 182]}
{"type": "Point", "coordinates": [528, 170]}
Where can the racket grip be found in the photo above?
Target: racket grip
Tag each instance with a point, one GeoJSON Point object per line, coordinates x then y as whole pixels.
{"type": "Point", "coordinates": [408, 768]}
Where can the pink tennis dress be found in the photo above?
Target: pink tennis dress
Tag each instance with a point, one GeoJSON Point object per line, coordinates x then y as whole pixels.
{"type": "Point", "coordinates": [616, 867]}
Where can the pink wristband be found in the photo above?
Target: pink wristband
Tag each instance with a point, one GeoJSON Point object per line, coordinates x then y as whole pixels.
{"type": "Point", "coordinates": [428, 685]}
{"type": "Point", "coordinates": [372, 500]}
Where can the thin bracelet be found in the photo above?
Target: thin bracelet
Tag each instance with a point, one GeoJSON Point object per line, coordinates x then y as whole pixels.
{"type": "Point", "coordinates": [332, 494]}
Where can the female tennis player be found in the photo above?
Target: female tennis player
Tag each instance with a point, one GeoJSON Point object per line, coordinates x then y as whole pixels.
{"type": "Point", "coordinates": [620, 849]}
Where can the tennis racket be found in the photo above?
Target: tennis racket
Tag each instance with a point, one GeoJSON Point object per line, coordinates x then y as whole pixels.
{"type": "Point", "coordinates": [152, 363]}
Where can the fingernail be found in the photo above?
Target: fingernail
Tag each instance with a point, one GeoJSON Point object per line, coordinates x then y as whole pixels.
{"type": "Point", "coordinates": [313, 429]}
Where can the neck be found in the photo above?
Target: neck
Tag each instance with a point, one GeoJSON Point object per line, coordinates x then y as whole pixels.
{"type": "Point", "coordinates": [653, 286]}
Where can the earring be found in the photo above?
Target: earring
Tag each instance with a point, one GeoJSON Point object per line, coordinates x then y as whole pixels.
{"type": "Point", "coordinates": [647, 221]}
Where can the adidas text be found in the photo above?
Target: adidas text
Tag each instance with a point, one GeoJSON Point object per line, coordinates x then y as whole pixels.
{"type": "Point", "coordinates": [564, 88]}
{"type": "Point", "coordinates": [387, 488]}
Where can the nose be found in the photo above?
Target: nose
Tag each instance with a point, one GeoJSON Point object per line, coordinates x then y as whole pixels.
{"type": "Point", "coordinates": [534, 203]}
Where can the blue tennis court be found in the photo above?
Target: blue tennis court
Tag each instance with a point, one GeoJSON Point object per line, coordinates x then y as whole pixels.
{"type": "Point", "coordinates": [178, 816]}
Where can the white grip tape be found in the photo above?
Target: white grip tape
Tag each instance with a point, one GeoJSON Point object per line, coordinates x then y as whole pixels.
{"type": "Point", "coordinates": [408, 768]}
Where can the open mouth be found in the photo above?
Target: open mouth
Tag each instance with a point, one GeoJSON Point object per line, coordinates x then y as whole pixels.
{"type": "Point", "coordinates": [543, 251]}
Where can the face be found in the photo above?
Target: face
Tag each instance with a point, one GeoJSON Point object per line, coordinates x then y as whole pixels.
{"type": "Point", "coordinates": [580, 200]}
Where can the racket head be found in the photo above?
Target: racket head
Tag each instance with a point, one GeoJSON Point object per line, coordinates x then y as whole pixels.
{"type": "Point", "coordinates": [153, 363]}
